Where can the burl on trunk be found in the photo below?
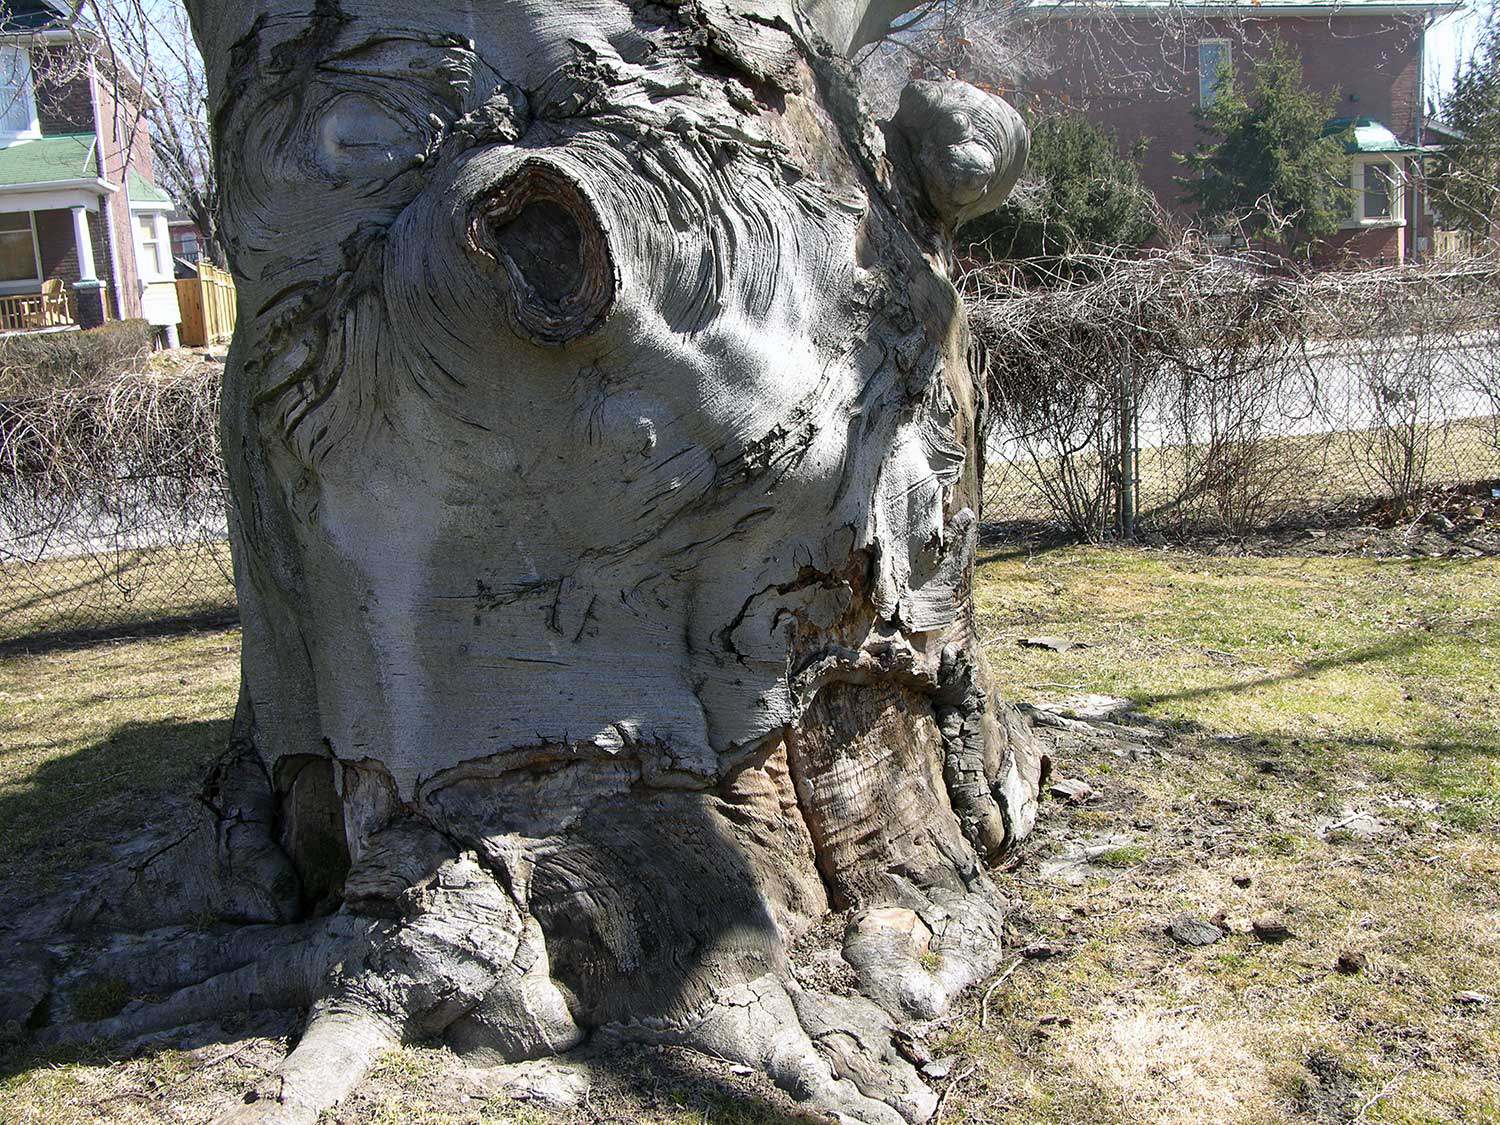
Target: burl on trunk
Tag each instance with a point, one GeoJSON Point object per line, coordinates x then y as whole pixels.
{"type": "Point", "coordinates": [604, 432]}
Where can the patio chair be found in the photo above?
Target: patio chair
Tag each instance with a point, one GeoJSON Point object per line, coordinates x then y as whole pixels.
{"type": "Point", "coordinates": [54, 303]}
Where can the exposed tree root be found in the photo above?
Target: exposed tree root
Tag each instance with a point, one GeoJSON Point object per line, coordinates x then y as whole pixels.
{"type": "Point", "coordinates": [511, 948]}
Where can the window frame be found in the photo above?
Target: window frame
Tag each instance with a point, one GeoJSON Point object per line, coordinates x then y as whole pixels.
{"type": "Point", "coordinates": [31, 284]}
{"type": "Point", "coordinates": [1397, 180]}
{"type": "Point", "coordinates": [1207, 92]}
{"type": "Point", "coordinates": [158, 272]}
{"type": "Point", "coordinates": [33, 129]}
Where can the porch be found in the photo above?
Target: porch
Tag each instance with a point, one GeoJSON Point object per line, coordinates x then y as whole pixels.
{"type": "Point", "coordinates": [48, 276]}
{"type": "Point", "coordinates": [54, 309]}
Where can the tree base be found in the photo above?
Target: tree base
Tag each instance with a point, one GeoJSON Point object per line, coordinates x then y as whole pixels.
{"type": "Point", "coordinates": [700, 919]}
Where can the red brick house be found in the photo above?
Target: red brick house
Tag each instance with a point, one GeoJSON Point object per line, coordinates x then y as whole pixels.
{"type": "Point", "coordinates": [1142, 67]}
{"type": "Point", "coordinates": [83, 234]}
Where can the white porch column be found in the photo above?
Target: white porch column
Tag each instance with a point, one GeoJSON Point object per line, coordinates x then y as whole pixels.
{"type": "Point", "coordinates": [85, 245]}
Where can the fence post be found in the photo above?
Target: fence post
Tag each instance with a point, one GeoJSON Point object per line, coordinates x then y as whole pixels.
{"type": "Point", "coordinates": [1128, 481]}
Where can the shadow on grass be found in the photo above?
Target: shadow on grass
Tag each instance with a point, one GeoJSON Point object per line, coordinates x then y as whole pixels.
{"type": "Point", "coordinates": [70, 810]}
{"type": "Point", "coordinates": [58, 640]}
{"type": "Point", "coordinates": [1400, 645]}
{"type": "Point", "coordinates": [672, 1081]}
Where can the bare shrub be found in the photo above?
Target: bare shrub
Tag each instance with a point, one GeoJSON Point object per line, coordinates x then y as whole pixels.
{"type": "Point", "coordinates": [32, 363]}
{"type": "Point", "coordinates": [109, 492]}
{"type": "Point", "coordinates": [1245, 394]}
{"type": "Point", "coordinates": [1194, 340]}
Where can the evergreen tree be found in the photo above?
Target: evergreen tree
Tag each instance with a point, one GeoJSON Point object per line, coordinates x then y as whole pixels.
{"type": "Point", "coordinates": [1080, 195]}
{"type": "Point", "coordinates": [1265, 169]}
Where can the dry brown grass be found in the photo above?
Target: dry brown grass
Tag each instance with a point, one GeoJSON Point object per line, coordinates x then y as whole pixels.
{"type": "Point", "coordinates": [1277, 694]}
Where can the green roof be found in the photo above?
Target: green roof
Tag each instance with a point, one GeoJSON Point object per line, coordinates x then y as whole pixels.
{"type": "Point", "coordinates": [1365, 134]}
{"type": "Point", "coordinates": [143, 190]}
{"type": "Point", "coordinates": [48, 160]}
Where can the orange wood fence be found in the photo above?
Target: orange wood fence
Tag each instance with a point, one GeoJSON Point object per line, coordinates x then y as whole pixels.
{"type": "Point", "coordinates": [208, 307]}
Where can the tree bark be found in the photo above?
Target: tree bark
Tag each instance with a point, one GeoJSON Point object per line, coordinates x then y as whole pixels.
{"type": "Point", "coordinates": [603, 429]}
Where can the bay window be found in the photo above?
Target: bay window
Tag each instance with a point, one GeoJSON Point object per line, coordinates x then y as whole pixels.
{"type": "Point", "coordinates": [1375, 191]}
{"type": "Point", "coordinates": [155, 256]}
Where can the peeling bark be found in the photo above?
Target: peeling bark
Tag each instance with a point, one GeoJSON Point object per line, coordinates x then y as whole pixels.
{"type": "Point", "coordinates": [604, 438]}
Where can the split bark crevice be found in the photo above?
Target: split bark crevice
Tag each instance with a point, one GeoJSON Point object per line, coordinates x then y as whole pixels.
{"type": "Point", "coordinates": [604, 435]}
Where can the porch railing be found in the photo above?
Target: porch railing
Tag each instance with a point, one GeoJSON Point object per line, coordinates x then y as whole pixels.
{"type": "Point", "coordinates": [27, 312]}
{"type": "Point", "coordinates": [1452, 244]}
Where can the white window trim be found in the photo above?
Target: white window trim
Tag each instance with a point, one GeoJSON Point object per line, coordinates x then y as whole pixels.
{"type": "Point", "coordinates": [1228, 58]}
{"type": "Point", "coordinates": [26, 285]}
{"type": "Point", "coordinates": [34, 130]}
{"type": "Point", "coordinates": [1397, 217]}
{"type": "Point", "coordinates": [142, 259]}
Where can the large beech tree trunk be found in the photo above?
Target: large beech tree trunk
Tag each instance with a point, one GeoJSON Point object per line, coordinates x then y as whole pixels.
{"type": "Point", "coordinates": [603, 428]}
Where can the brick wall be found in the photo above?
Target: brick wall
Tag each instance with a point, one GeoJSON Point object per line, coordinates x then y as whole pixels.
{"type": "Point", "coordinates": [64, 101]}
{"type": "Point", "coordinates": [59, 251]}
{"type": "Point", "coordinates": [54, 242]}
{"type": "Point", "coordinates": [1372, 61]}
{"type": "Point", "coordinates": [1381, 246]}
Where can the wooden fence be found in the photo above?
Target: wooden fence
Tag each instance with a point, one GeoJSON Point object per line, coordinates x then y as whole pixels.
{"type": "Point", "coordinates": [208, 307]}
{"type": "Point", "coordinates": [1452, 244]}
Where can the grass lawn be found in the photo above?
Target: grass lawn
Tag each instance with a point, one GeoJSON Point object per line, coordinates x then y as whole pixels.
{"type": "Point", "coordinates": [1288, 695]}
{"type": "Point", "coordinates": [1275, 698]}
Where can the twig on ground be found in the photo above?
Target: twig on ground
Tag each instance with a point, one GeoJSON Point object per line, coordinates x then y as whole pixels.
{"type": "Point", "coordinates": [937, 1114]}
{"type": "Point", "coordinates": [1383, 1092]}
{"type": "Point", "coordinates": [984, 1006]}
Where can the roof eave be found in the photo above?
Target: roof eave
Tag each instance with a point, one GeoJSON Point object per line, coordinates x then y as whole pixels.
{"type": "Point", "coordinates": [101, 187]}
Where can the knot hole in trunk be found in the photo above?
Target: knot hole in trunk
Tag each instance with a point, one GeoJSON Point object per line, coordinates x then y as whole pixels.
{"type": "Point", "coordinates": [544, 234]}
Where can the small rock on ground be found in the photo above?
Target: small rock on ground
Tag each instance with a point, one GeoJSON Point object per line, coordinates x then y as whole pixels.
{"type": "Point", "coordinates": [1052, 644]}
{"type": "Point", "coordinates": [1071, 789]}
{"type": "Point", "coordinates": [1188, 930]}
{"type": "Point", "coordinates": [1270, 927]}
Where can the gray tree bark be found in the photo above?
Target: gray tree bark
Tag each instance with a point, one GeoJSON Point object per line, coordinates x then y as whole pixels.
{"type": "Point", "coordinates": [603, 428]}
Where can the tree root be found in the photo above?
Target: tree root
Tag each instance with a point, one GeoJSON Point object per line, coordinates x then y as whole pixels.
{"type": "Point", "coordinates": [665, 927]}
{"type": "Point", "coordinates": [461, 961]}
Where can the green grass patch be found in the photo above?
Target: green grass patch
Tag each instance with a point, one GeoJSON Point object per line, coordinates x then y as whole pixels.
{"type": "Point", "coordinates": [1126, 856]}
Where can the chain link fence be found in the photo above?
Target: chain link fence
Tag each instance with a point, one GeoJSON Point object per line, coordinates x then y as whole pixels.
{"type": "Point", "coordinates": [112, 506]}
{"type": "Point", "coordinates": [1183, 396]}
{"type": "Point", "coordinates": [1174, 395]}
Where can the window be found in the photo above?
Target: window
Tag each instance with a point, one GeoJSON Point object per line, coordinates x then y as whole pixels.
{"type": "Point", "coordinates": [17, 97]}
{"type": "Point", "coordinates": [190, 249]}
{"type": "Point", "coordinates": [1380, 189]}
{"type": "Point", "coordinates": [1214, 69]}
{"type": "Point", "coordinates": [1375, 191]}
{"type": "Point", "coordinates": [17, 248]}
{"type": "Point", "coordinates": [154, 263]}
